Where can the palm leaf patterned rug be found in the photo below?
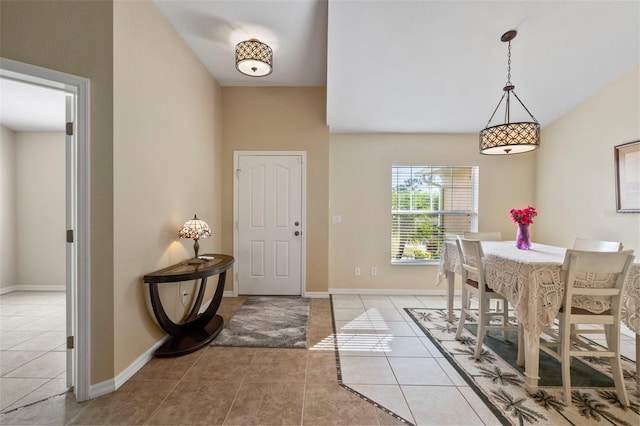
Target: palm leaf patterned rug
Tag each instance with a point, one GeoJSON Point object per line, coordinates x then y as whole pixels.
{"type": "Point", "coordinates": [501, 385]}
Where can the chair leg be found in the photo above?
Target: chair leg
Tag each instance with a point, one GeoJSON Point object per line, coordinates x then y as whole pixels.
{"type": "Point", "coordinates": [482, 323]}
{"type": "Point", "coordinates": [463, 312]}
{"type": "Point", "coordinates": [565, 346]}
{"type": "Point", "coordinates": [612, 333]}
{"type": "Point", "coordinates": [505, 319]}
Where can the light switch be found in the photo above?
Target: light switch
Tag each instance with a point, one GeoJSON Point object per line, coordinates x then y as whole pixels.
{"type": "Point", "coordinates": [337, 219]}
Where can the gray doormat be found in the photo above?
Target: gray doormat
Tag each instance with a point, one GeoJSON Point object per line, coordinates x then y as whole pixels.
{"type": "Point", "coordinates": [267, 322]}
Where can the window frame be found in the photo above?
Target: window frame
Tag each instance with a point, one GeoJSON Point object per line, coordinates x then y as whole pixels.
{"type": "Point", "coordinates": [426, 186]}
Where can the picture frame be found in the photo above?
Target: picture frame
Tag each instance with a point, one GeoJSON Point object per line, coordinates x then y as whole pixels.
{"type": "Point", "coordinates": [627, 160]}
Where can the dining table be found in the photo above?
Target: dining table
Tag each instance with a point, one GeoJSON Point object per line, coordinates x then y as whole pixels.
{"type": "Point", "coordinates": [531, 281]}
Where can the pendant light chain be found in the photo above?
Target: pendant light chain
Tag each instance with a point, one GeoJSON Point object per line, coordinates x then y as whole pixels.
{"type": "Point", "coordinates": [509, 64]}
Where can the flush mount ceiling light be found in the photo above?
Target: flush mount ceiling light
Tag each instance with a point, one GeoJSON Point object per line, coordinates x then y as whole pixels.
{"type": "Point", "coordinates": [254, 58]}
{"type": "Point", "coordinates": [510, 138]}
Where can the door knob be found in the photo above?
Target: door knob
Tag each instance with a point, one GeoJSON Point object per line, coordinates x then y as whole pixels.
{"type": "Point", "coordinates": [297, 233]}
{"type": "Point", "coordinates": [297, 223]}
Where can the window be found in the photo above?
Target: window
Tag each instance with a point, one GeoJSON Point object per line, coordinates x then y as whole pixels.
{"type": "Point", "coordinates": [430, 204]}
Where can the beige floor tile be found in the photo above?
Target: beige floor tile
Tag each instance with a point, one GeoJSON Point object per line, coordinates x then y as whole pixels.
{"type": "Point", "coordinates": [400, 346]}
{"type": "Point", "coordinates": [44, 341]}
{"type": "Point", "coordinates": [267, 404]}
{"type": "Point", "coordinates": [133, 403]}
{"type": "Point", "coordinates": [331, 404]}
{"type": "Point", "coordinates": [384, 314]}
{"type": "Point", "coordinates": [46, 366]}
{"type": "Point", "coordinates": [58, 410]}
{"type": "Point", "coordinates": [388, 396]}
{"type": "Point", "coordinates": [427, 403]}
{"type": "Point", "coordinates": [479, 407]}
{"type": "Point", "coordinates": [225, 365]}
{"type": "Point", "coordinates": [12, 389]}
{"type": "Point", "coordinates": [367, 370]}
{"type": "Point", "coordinates": [167, 368]}
{"type": "Point", "coordinates": [10, 360]}
{"type": "Point", "coordinates": [49, 389]}
{"type": "Point", "coordinates": [385, 419]}
{"type": "Point", "coordinates": [196, 403]}
{"type": "Point", "coordinates": [278, 366]}
{"type": "Point", "coordinates": [9, 339]}
{"type": "Point", "coordinates": [321, 367]}
{"type": "Point", "coordinates": [419, 371]}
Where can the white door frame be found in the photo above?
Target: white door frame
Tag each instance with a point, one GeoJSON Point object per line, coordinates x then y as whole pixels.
{"type": "Point", "coordinates": [78, 265]}
{"type": "Point", "coordinates": [236, 203]}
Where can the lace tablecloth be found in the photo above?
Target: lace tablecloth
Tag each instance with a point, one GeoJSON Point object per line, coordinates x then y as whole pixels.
{"type": "Point", "coordinates": [530, 280]}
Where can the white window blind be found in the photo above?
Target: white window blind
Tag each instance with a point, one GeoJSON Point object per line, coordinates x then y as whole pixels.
{"type": "Point", "coordinates": [428, 205]}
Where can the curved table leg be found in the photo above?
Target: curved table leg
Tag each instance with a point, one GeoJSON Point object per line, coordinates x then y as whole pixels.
{"type": "Point", "coordinates": [198, 329]}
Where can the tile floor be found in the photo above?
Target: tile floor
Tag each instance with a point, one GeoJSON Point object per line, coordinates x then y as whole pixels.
{"type": "Point", "coordinates": [32, 347]}
{"type": "Point", "coordinates": [383, 356]}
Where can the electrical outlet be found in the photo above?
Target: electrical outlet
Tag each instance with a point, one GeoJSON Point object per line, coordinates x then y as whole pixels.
{"type": "Point", "coordinates": [374, 271]}
{"type": "Point", "coordinates": [357, 271]}
{"type": "Point", "coordinates": [184, 297]}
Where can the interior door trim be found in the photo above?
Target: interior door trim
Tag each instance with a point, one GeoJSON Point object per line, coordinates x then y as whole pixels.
{"type": "Point", "coordinates": [81, 276]}
{"type": "Point", "coordinates": [303, 248]}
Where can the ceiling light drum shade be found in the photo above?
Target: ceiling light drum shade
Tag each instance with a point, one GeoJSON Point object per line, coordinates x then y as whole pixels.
{"type": "Point", "coordinates": [254, 58]}
{"type": "Point", "coordinates": [512, 138]}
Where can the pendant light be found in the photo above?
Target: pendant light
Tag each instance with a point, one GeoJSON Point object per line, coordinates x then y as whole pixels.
{"type": "Point", "coordinates": [510, 138]}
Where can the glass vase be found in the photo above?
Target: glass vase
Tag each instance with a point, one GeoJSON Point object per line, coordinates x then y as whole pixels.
{"type": "Point", "coordinates": [523, 239]}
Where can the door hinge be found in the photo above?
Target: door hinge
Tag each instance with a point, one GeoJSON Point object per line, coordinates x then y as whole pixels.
{"type": "Point", "coordinates": [238, 172]}
{"type": "Point", "coordinates": [237, 225]}
{"type": "Point", "coordinates": [70, 342]}
{"type": "Point", "coordinates": [69, 235]}
{"type": "Point", "coordinates": [69, 129]}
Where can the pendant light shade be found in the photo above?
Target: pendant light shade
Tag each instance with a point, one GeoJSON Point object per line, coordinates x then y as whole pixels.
{"type": "Point", "coordinates": [509, 138]}
{"type": "Point", "coordinates": [254, 58]}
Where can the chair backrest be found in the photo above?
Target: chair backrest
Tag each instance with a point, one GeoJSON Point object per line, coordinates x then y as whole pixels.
{"type": "Point", "coordinates": [483, 236]}
{"type": "Point", "coordinates": [596, 278]}
{"type": "Point", "coordinates": [470, 254]}
{"type": "Point", "coordinates": [596, 245]}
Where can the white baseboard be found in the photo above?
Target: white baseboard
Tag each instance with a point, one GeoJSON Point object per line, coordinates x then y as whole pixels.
{"type": "Point", "coordinates": [316, 294]}
{"type": "Point", "coordinates": [389, 292]}
{"type": "Point", "coordinates": [114, 384]}
{"type": "Point", "coordinates": [228, 293]}
{"type": "Point", "coordinates": [12, 288]}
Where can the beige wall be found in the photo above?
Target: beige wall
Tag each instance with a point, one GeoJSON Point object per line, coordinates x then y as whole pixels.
{"type": "Point", "coordinates": [77, 38]}
{"type": "Point", "coordinates": [282, 119]}
{"type": "Point", "coordinates": [167, 164]}
{"type": "Point", "coordinates": [40, 209]}
{"type": "Point", "coordinates": [360, 192]}
{"type": "Point", "coordinates": [8, 275]}
{"type": "Point", "coordinates": [575, 187]}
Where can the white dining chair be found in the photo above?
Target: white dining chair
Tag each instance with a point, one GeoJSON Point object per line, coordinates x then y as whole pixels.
{"type": "Point", "coordinates": [483, 236]}
{"type": "Point", "coordinates": [473, 284]}
{"type": "Point", "coordinates": [596, 245]}
{"type": "Point", "coordinates": [590, 278]}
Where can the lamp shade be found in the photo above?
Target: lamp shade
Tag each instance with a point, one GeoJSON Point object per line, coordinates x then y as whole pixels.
{"type": "Point", "coordinates": [195, 229]}
{"type": "Point", "coordinates": [510, 138]}
{"type": "Point", "coordinates": [254, 58]}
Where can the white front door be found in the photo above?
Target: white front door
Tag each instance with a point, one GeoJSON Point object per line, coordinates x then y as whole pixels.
{"type": "Point", "coordinates": [269, 224]}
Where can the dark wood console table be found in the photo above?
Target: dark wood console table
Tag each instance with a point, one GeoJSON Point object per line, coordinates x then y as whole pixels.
{"type": "Point", "coordinates": [197, 329]}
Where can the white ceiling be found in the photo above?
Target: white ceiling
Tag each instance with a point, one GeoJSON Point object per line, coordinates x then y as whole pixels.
{"type": "Point", "coordinates": [420, 66]}
{"type": "Point", "coordinates": [31, 108]}
{"type": "Point", "coordinates": [401, 66]}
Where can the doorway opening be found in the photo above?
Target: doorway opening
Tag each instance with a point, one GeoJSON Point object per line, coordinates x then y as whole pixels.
{"type": "Point", "coordinates": [72, 228]}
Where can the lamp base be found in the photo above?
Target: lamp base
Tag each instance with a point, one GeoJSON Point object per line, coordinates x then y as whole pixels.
{"type": "Point", "coordinates": [196, 261]}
